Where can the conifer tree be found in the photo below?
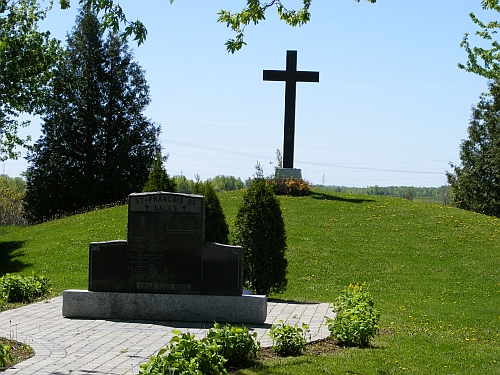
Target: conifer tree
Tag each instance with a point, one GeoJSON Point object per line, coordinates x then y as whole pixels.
{"type": "Point", "coordinates": [476, 182]}
{"type": "Point", "coordinates": [96, 145]}
{"type": "Point", "coordinates": [158, 179]}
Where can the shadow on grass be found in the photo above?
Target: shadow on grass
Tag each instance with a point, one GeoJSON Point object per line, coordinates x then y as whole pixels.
{"type": "Point", "coordinates": [275, 365]}
{"type": "Point", "coordinates": [329, 197]}
{"type": "Point", "coordinates": [8, 261]}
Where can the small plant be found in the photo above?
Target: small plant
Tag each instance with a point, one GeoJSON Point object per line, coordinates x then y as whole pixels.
{"type": "Point", "coordinates": [357, 319]}
{"type": "Point", "coordinates": [236, 344]}
{"type": "Point", "coordinates": [16, 288]}
{"type": "Point", "coordinates": [288, 340]}
{"type": "Point", "coordinates": [4, 355]}
{"type": "Point", "coordinates": [186, 355]}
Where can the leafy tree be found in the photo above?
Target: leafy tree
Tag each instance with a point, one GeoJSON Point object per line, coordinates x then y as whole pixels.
{"type": "Point", "coordinates": [11, 200]}
{"type": "Point", "coordinates": [26, 59]}
{"type": "Point", "coordinates": [96, 145]}
{"type": "Point", "coordinates": [260, 230]}
{"type": "Point", "coordinates": [183, 185]}
{"type": "Point", "coordinates": [216, 229]}
{"type": "Point", "coordinates": [158, 179]}
{"type": "Point", "coordinates": [483, 61]}
{"type": "Point", "coordinates": [476, 183]}
{"type": "Point", "coordinates": [253, 12]}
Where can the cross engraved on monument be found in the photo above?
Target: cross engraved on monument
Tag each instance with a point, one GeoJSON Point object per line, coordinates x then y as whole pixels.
{"type": "Point", "coordinates": [291, 76]}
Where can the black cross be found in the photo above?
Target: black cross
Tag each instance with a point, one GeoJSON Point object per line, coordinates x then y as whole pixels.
{"type": "Point", "coordinates": [291, 76]}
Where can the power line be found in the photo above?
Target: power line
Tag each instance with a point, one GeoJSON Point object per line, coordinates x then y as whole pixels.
{"type": "Point", "coordinates": [200, 147]}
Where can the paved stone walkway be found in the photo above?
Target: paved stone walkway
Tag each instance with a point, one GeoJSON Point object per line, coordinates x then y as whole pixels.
{"type": "Point", "coordinates": [86, 346]}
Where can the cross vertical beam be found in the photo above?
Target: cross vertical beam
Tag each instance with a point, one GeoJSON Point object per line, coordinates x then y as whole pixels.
{"type": "Point", "coordinates": [291, 76]}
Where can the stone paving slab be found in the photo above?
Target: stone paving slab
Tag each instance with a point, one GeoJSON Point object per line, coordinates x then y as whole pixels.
{"type": "Point", "coordinates": [88, 346]}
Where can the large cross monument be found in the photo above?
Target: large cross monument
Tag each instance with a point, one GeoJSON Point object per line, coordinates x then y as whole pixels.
{"type": "Point", "coordinates": [291, 76]}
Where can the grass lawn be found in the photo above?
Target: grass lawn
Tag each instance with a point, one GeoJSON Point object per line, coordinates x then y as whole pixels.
{"type": "Point", "coordinates": [434, 271]}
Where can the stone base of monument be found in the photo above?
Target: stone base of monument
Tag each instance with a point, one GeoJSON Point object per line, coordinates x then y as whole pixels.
{"type": "Point", "coordinates": [247, 309]}
{"type": "Point", "coordinates": [294, 173]}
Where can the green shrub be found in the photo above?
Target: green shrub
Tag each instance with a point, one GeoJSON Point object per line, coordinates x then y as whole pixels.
{"type": "Point", "coordinates": [186, 355]}
{"type": "Point", "coordinates": [289, 186]}
{"type": "Point", "coordinates": [216, 229]}
{"type": "Point", "coordinates": [16, 288]}
{"type": "Point", "coordinates": [288, 340]}
{"type": "Point", "coordinates": [357, 319]}
{"type": "Point", "coordinates": [260, 230]}
{"type": "Point", "coordinates": [236, 344]}
{"type": "Point", "coordinates": [5, 355]}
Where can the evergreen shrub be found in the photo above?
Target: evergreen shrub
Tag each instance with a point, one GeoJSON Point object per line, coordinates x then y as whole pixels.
{"type": "Point", "coordinates": [216, 229]}
{"type": "Point", "coordinates": [260, 230]}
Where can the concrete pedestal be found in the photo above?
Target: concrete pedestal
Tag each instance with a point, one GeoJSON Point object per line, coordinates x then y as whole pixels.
{"type": "Point", "coordinates": [288, 173]}
{"type": "Point", "coordinates": [247, 309]}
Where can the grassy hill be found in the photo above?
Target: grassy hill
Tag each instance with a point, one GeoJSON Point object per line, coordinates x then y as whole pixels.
{"type": "Point", "coordinates": [433, 270]}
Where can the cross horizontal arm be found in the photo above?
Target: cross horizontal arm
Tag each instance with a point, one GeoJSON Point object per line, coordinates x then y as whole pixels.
{"type": "Point", "coordinates": [274, 75]}
{"type": "Point", "coordinates": [302, 76]}
{"type": "Point", "coordinates": [282, 75]}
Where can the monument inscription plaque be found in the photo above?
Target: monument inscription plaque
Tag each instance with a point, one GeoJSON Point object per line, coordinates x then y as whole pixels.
{"type": "Point", "coordinates": [165, 238]}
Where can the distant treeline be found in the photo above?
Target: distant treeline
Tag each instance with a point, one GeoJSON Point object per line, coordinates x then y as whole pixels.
{"type": "Point", "coordinates": [440, 194]}
{"type": "Point", "coordinates": [219, 183]}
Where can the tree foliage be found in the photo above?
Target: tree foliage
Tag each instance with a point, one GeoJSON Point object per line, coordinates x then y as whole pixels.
{"type": "Point", "coordinates": [183, 185]}
{"type": "Point", "coordinates": [476, 183]}
{"type": "Point", "coordinates": [226, 183]}
{"type": "Point", "coordinates": [484, 61]}
{"type": "Point", "coordinates": [158, 179]}
{"type": "Point", "coordinates": [253, 12]}
{"type": "Point", "coordinates": [113, 16]}
{"type": "Point", "coordinates": [260, 230]}
{"type": "Point", "coordinates": [11, 200]}
{"type": "Point", "coordinates": [216, 229]}
{"type": "Point", "coordinates": [26, 59]}
{"type": "Point", "coordinates": [96, 145]}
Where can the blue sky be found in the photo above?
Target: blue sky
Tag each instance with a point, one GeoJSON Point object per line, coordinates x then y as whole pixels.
{"type": "Point", "coordinates": [391, 108]}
